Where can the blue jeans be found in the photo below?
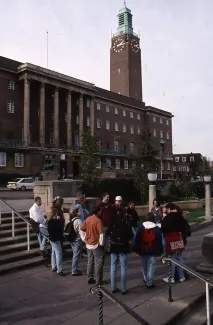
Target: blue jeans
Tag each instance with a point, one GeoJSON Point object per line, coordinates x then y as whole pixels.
{"type": "Point", "coordinates": [163, 245]}
{"type": "Point", "coordinates": [114, 263]}
{"type": "Point", "coordinates": [179, 258]}
{"type": "Point", "coordinates": [148, 268]}
{"type": "Point", "coordinates": [41, 239]}
{"type": "Point", "coordinates": [134, 231]}
{"type": "Point", "coordinates": [76, 250]}
{"type": "Point", "coordinates": [56, 258]}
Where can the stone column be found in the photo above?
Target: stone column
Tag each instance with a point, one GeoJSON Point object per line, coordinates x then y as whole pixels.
{"type": "Point", "coordinates": [92, 117]}
{"type": "Point", "coordinates": [56, 117]}
{"type": "Point", "coordinates": [42, 114]}
{"type": "Point", "coordinates": [69, 120]}
{"type": "Point", "coordinates": [207, 202]}
{"type": "Point", "coordinates": [81, 118]}
{"type": "Point", "coordinates": [26, 111]}
{"type": "Point", "coordinates": [152, 195]}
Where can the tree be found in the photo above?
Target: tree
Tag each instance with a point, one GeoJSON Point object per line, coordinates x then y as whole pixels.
{"type": "Point", "coordinates": [144, 162]}
{"type": "Point", "coordinates": [90, 158]}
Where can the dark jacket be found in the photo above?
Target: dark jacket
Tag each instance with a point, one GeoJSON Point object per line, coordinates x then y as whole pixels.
{"type": "Point", "coordinates": [173, 222]}
{"type": "Point", "coordinates": [120, 234]}
{"type": "Point", "coordinates": [55, 230]}
{"type": "Point", "coordinates": [138, 246]}
{"type": "Point", "coordinates": [107, 213]}
{"type": "Point", "coordinates": [133, 215]}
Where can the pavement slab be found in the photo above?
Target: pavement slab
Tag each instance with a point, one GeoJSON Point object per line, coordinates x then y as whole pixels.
{"type": "Point", "coordinates": [38, 296]}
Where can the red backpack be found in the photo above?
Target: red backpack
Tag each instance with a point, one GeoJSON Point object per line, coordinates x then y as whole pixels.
{"type": "Point", "coordinates": [149, 240]}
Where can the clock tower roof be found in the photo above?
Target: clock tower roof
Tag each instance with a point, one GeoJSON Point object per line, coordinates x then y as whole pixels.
{"type": "Point", "coordinates": [125, 21]}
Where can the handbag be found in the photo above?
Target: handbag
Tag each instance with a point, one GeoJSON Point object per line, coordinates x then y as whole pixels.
{"type": "Point", "coordinates": [174, 243]}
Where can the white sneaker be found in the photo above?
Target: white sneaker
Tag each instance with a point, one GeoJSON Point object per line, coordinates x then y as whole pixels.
{"type": "Point", "coordinates": [167, 280]}
{"type": "Point", "coordinates": [182, 280]}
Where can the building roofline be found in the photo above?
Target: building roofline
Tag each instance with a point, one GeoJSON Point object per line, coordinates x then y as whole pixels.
{"type": "Point", "coordinates": [158, 110]}
{"type": "Point", "coordinates": [53, 74]}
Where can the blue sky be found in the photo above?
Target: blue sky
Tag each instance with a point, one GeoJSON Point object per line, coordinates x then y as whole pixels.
{"type": "Point", "coordinates": [176, 42]}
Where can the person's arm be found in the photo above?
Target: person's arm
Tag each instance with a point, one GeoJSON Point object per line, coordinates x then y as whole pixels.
{"type": "Point", "coordinates": [77, 225]}
{"type": "Point", "coordinates": [101, 232]}
{"type": "Point", "coordinates": [138, 240]}
{"type": "Point", "coordinates": [83, 231]}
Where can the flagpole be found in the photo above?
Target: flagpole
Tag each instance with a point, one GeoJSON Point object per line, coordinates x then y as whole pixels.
{"type": "Point", "coordinates": [47, 48]}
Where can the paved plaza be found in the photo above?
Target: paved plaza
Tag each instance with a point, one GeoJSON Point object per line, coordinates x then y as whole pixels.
{"type": "Point", "coordinates": [38, 296]}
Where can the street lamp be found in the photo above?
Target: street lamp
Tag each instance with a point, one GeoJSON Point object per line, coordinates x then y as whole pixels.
{"type": "Point", "coordinates": [207, 180]}
{"type": "Point", "coordinates": [152, 177]}
{"type": "Point", "coordinates": [162, 143]}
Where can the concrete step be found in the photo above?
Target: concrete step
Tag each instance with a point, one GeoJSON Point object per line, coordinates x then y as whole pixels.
{"type": "Point", "coordinates": [18, 231]}
{"type": "Point", "coordinates": [8, 220]}
{"type": "Point", "coordinates": [7, 226]}
{"type": "Point", "coordinates": [19, 256]}
{"type": "Point", "coordinates": [5, 241]}
{"type": "Point", "coordinates": [187, 298]}
{"type": "Point", "coordinates": [20, 265]}
{"type": "Point", "coordinates": [196, 314]}
{"type": "Point", "coordinates": [18, 247]}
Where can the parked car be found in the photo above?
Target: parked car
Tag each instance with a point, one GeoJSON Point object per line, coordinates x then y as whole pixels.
{"type": "Point", "coordinates": [21, 184]}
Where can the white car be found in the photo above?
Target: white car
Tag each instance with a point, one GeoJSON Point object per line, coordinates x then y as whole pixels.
{"type": "Point", "coordinates": [21, 184]}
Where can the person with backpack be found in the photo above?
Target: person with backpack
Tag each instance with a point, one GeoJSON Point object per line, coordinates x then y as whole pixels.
{"type": "Point", "coordinates": [55, 236]}
{"type": "Point", "coordinates": [173, 227]}
{"type": "Point", "coordinates": [120, 237]}
{"type": "Point", "coordinates": [72, 234]}
{"type": "Point", "coordinates": [148, 244]}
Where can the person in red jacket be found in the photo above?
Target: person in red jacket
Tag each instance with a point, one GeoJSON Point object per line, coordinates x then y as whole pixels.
{"type": "Point", "coordinates": [106, 216]}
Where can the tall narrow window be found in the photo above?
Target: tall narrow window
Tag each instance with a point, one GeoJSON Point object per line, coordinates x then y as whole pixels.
{"type": "Point", "coordinates": [11, 84]}
{"type": "Point", "coordinates": [3, 159]}
{"type": "Point", "coordinates": [10, 106]}
{"type": "Point", "coordinates": [19, 160]}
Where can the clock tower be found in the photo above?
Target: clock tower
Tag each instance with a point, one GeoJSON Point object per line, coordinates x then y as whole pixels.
{"type": "Point", "coordinates": [125, 58]}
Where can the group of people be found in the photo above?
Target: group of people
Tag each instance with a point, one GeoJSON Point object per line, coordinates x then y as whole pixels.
{"type": "Point", "coordinates": [115, 230]}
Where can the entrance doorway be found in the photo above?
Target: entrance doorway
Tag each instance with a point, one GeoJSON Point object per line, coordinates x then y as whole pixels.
{"type": "Point", "coordinates": [76, 169]}
{"type": "Point", "coordinates": [63, 169]}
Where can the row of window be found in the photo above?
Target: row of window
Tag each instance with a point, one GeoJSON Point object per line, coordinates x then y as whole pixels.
{"type": "Point", "coordinates": [183, 159]}
{"type": "Point", "coordinates": [117, 163]}
{"type": "Point", "coordinates": [126, 164]}
{"type": "Point", "coordinates": [124, 112]}
{"type": "Point", "coordinates": [161, 134]}
{"type": "Point", "coordinates": [18, 159]}
{"type": "Point", "coordinates": [181, 168]}
{"type": "Point", "coordinates": [161, 120]}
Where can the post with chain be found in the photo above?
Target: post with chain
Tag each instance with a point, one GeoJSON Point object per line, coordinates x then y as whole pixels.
{"type": "Point", "coordinates": [100, 307]}
{"type": "Point", "coordinates": [170, 280]}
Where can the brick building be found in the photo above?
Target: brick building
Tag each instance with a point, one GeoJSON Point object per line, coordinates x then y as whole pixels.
{"type": "Point", "coordinates": [43, 113]}
{"type": "Point", "coordinates": [188, 164]}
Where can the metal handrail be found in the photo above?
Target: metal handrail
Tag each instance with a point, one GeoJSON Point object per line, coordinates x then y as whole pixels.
{"type": "Point", "coordinates": [13, 222]}
{"type": "Point", "coordinates": [170, 260]}
{"type": "Point", "coordinates": [103, 292]}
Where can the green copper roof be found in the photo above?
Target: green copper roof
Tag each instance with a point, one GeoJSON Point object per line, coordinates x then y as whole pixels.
{"type": "Point", "coordinates": [125, 21]}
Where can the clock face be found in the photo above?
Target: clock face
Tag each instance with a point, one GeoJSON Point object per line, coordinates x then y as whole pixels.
{"type": "Point", "coordinates": [135, 45]}
{"type": "Point", "coordinates": [118, 45]}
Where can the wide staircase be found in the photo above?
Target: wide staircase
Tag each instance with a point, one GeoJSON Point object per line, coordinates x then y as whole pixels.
{"type": "Point", "coordinates": [19, 246]}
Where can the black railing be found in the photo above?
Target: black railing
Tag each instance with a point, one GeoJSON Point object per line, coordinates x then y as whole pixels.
{"type": "Point", "coordinates": [100, 291]}
{"type": "Point", "coordinates": [199, 276]}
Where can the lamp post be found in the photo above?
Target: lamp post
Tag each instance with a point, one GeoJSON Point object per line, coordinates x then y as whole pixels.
{"type": "Point", "coordinates": [162, 142]}
{"type": "Point", "coordinates": [152, 177]}
{"type": "Point", "coordinates": [207, 180]}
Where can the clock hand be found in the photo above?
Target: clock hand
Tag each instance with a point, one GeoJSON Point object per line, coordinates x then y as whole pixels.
{"type": "Point", "coordinates": [120, 44]}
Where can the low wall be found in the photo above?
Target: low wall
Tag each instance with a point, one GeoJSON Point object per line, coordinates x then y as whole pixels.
{"type": "Point", "coordinates": [184, 205]}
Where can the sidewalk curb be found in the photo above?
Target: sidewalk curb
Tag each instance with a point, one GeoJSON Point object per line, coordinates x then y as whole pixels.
{"type": "Point", "coordinates": [199, 225]}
